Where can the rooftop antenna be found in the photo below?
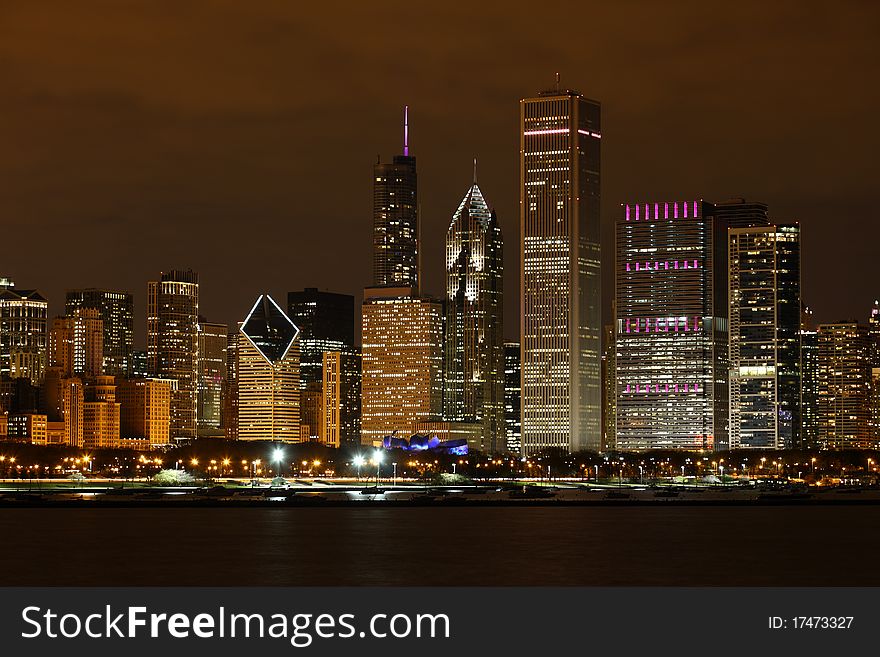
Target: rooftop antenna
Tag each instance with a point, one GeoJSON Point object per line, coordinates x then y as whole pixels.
{"type": "Point", "coordinates": [475, 171]}
{"type": "Point", "coordinates": [406, 130]}
{"type": "Point", "coordinates": [557, 82]}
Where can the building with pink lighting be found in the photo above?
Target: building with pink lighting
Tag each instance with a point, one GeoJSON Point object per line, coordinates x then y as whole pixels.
{"type": "Point", "coordinates": [671, 330]}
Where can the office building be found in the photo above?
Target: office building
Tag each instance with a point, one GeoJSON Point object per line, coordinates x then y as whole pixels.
{"type": "Point", "coordinates": [609, 388]}
{"type": "Point", "coordinates": [268, 375]}
{"type": "Point", "coordinates": [116, 309]}
{"type": "Point", "coordinates": [560, 137]}
{"type": "Point", "coordinates": [671, 333]}
{"type": "Point", "coordinates": [145, 410]}
{"type": "Point", "coordinates": [230, 394]}
{"type": "Point", "coordinates": [62, 398]}
{"type": "Point", "coordinates": [326, 323]}
{"type": "Point", "coordinates": [810, 388]}
{"type": "Point", "coordinates": [28, 427]}
{"type": "Point", "coordinates": [76, 343]}
{"type": "Point", "coordinates": [342, 398]}
{"type": "Point", "coordinates": [512, 397]}
{"type": "Point", "coordinates": [212, 345]}
{"type": "Point", "coordinates": [396, 220]}
{"type": "Point", "coordinates": [844, 386]}
{"type": "Point", "coordinates": [23, 333]}
{"type": "Point", "coordinates": [474, 343]}
{"type": "Point", "coordinates": [402, 367]}
{"type": "Point", "coordinates": [101, 414]}
{"type": "Point", "coordinates": [172, 344]}
{"type": "Point", "coordinates": [765, 350]}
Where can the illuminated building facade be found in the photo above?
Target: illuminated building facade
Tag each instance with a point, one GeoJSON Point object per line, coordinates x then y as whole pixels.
{"type": "Point", "coordinates": [76, 343]}
{"type": "Point", "coordinates": [396, 220]}
{"type": "Point", "coordinates": [765, 350]}
{"type": "Point", "coordinates": [145, 410]}
{"type": "Point", "coordinates": [28, 427]}
{"type": "Point", "coordinates": [810, 387]}
{"type": "Point", "coordinates": [172, 344]}
{"type": "Point", "coordinates": [513, 397]}
{"type": "Point", "coordinates": [23, 333]}
{"type": "Point", "coordinates": [342, 398]}
{"type": "Point", "coordinates": [268, 375]}
{"type": "Point", "coordinates": [609, 388]}
{"type": "Point", "coordinates": [116, 309]}
{"type": "Point", "coordinates": [844, 386]}
{"type": "Point", "coordinates": [230, 394]}
{"type": "Point", "coordinates": [62, 398]}
{"type": "Point", "coordinates": [101, 414]}
{"type": "Point", "coordinates": [139, 364]}
{"type": "Point", "coordinates": [474, 343]}
{"type": "Point", "coordinates": [326, 323]}
{"type": "Point", "coordinates": [671, 333]}
{"type": "Point", "coordinates": [212, 339]}
{"type": "Point", "coordinates": [402, 375]}
{"type": "Point", "coordinates": [560, 137]}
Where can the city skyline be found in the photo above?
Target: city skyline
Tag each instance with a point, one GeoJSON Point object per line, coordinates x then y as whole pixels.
{"type": "Point", "coordinates": [115, 172]}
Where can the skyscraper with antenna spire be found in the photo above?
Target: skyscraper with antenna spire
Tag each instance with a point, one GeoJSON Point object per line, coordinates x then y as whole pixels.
{"type": "Point", "coordinates": [402, 330]}
{"type": "Point", "coordinates": [396, 219]}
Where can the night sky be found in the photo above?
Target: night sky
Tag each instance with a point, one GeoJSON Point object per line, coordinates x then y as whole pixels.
{"type": "Point", "coordinates": [238, 138]}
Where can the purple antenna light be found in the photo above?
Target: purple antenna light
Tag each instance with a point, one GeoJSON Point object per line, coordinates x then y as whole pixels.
{"type": "Point", "coordinates": [406, 130]}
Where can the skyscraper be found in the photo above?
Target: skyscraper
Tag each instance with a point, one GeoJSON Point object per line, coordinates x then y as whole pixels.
{"type": "Point", "coordinates": [844, 386]}
{"type": "Point", "coordinates": [172, 344]}
{"type": "Point", "coordinates": [396, 219]}
{"type": "Point", "coordinates": [326, 323]}
{"type": "Point", "coordinates": [474, 343]}
{"type": "Point", "coordinates": [765, 352]}
{"type": "Point", "coordinates": [212, 339]}
{"type": "Point", "coordinates": [402, 379]}
{"type": "Point", "coordinates": [145, 410]}
{"type": "Point", "coordinates": [671, 335]}
{"type": "Point", "coordinates": [560, 137]}
{"type": "Point", "coordinates": [101, 414]}
{"type": "Point", "coordinates": [76, 343]}
{"type": "Point", "coordinates": [230, 393]}
{"type": "Point", "coordinates": [609, 389]}
{"type": "Point", "coordinates": [268, 374]}
{"type": "Point", "coordinates": [809, 387]}
{"type": "Point", "coordinates": [117, 314]}
{"type": "Point", "coordinates": [513, 397]}
{"type": "Point", "coordinates": [23, 333]}
{"type": "Point", "coordinates": [342, 398]}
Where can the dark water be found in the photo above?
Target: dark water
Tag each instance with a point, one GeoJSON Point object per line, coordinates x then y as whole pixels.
{"type": "Point", "coordinates": [584, 546]}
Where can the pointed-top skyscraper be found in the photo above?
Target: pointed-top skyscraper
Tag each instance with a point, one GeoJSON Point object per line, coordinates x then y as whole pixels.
{"type": "Point", "coordinates": [396, 219]}
{"type": "Point", "coordinates": [474, 345]}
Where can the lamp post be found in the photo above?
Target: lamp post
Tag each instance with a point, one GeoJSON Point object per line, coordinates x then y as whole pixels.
{"type": "Point", "coordinates": [358, 462]}
{"type": "Point", "coordinates": [277, 455]}
{"type": "Point", "coordinates": [377, 457]}
{"type": "Point", "coordinates": [394, 476]}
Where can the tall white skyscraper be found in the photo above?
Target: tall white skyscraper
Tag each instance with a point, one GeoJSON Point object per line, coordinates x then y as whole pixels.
{"type": "Point", "coordinates": [560, 138]}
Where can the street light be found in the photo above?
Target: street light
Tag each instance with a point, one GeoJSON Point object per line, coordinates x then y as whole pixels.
{"type": "Point", "coordinates": [359, 461]}
{"type": "Point", "coordinates": [277, 455]}
{"type": "Point", "coordinates": [377, 459]}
